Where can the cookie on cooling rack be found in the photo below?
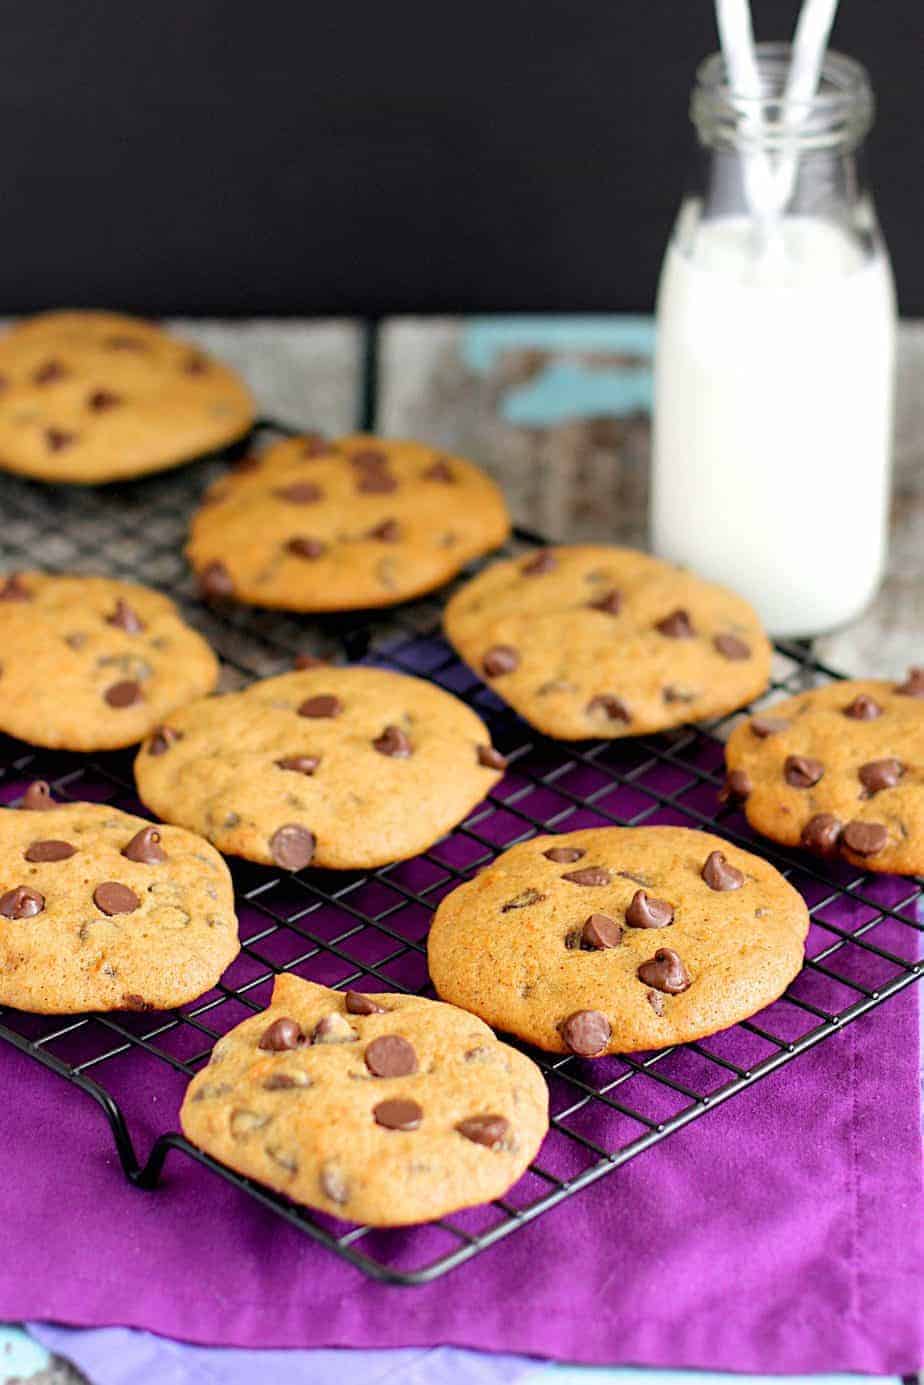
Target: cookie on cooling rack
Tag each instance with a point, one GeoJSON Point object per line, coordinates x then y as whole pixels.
{"type": "Point", "coordinates": [340, 767]}
{"type": "Point", "coordinates": [316, 525]}
{"type": "Point", "coordinates": [385, 1109]}
{"type": "Point", "coordinates": [88, 663]}
{"type": "Point", "coordinates": [100, 910]}
{"type": "Point", "coordinates": [588, 641]}
{"type": "Point", "coordinates": [617, 939]}
{"type": "Point", "coordinates": [94, 396]}
{"type": "Point", "coordinates": [839, 770]}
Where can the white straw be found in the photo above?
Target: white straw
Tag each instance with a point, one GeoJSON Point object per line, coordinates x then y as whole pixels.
{"type": "Point", "coordinates": [808, 54]}
{"type": "Point", "coordinates": [736, 36]}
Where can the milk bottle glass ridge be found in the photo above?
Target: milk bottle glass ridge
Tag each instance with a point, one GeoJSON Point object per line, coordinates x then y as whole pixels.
{"type": "Point", "coordinates": [775, 355]}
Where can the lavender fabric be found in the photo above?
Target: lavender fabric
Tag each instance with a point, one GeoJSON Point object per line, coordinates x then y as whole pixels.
{"type": "Point", "coordinates": [780, 1234]}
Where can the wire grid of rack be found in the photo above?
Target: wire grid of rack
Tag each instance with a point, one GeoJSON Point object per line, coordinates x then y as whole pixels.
{"type": "Point", "coordinates": [367, 929]}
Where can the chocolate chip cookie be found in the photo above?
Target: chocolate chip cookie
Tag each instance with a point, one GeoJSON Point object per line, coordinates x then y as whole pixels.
{"type": "Point", "coordinates": [838, 770]}
{"type": "Point", "coordinates": [93, 396]}
{"type": "Point", "coordinates": [318, 525]}
{"type": "Point", "coordinates": [618, 939]}
{"type": "Point", "coordinates": [385, 1109]}
{"type": "Point", "coordinates": [605, 642]}
{"type": "Point", "coordinates": [100, 910]}
{"type": "Point", "coordinates": [340, 767]}
{"type": "Point", "coordinates": [88, 663]}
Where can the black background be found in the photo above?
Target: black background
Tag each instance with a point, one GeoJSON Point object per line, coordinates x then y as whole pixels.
{"type": "Point", "coordinates": [210, 157]}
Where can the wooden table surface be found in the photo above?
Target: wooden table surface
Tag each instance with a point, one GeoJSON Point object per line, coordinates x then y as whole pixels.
{"type": "Point", "coordinates": [557, 409]}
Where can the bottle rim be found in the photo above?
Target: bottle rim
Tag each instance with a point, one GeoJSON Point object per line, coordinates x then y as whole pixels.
{"type": "Point", "coordinates": [839, 114]}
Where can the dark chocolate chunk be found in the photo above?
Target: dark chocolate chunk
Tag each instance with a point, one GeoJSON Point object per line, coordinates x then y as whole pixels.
{"type": "Point", "coordinates": [358, 1004]}
{"type": "Point", "coordinates": [730, 647]}
{"type": "Point", "coordinates": [162, 739]}
{"type": "Point", "coordinates": [394, 743]}
{"type": "Point", "coordinates": [440, 470]}
{"type": "Point", "coordinates": [600, 931]}
{"type": "Point", "coordinates": [124, 618]}
{"type": "Point", "coordinates": [544, 561]}
{"type": "Point", "coordinates": [49, 372]}
{"type": "Point", "coordinates": [292, 846]}
{"type": "Point", "coordinates": [737, 786]}
{"type": "Point", "coordinates": [300, 493]}
{"type": "Point", "coordinates": [586, 1033]}
{"type": "Point", "coordinates": [645, 912]}
{"type": "Point", "coordinates": [49, 850]}
{"type": "Point", "coordinates": [610, 603]}
{"type": "Point", "coordinates": [500, 659]}
{"type": "Point", "coordinates": [491, 758]}
{"type": "Point", "coordinates": [613, 707]}
{"type": "Point", "coordinates": [863, 708]}
{"type": "Point", "coordinates": [389, 531]}
{"type": "Point", "coordinates": [801, 771]}
{"type": "Point", "coordinates": [321, 705]}
{"type": "Point", "coordinates": [37, 798]}
{"type": "Point", "coordinates": [304, 547]}
{"type": "Point", "coordinates": [125, 693]}
{"type": "Point", "coordinates": [588, 875]}
{"type": "Point", "coordinates": [101, 400]}
{"type": "Point", "coordinates": [145, 847]}
{"type": "Point", "coordinates": [398, 1114]}
{"type": "Point", "coordinates": [881, 774]}
{"type": "Point", "coordinates": [676, 626]}
{"type": "Point", "coordinates": [720, 874]}
{"type": "Point", "coordinates": [564, 855]}
{"type": "Point", "coordinates": [524, 900]}
{"type": "Point", "coordinates": [21, 903]}
{"type": "Point", "coordinates": [112, 898]}
{"type": "Point", "coordinates": [490, 1131]}
{"type": "Point", "coordinates": [390, 1056]}
{"type": "Point", "coordinates": [282, 1035]}
{"type": "Point", "coordinates": [762, 727]}
{"type": "Point", "coordinates": [664, 972]}
{"type": "Point", "coordinates": [300, 764]}
{"type": "Point", "coordinates": [822, 833]}
{"type": "Point", "coordinates": [57, 439]}
{"type": "Point", "coordinates": [865, 838]}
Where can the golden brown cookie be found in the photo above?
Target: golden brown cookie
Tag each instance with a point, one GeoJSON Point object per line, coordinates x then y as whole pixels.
{"type": "Point", "coordinates": [313, 525]}
{"type": "Point", "coordinates": [341, 767]}
{"type": "Point", "coordinates": [385, 1109]}
{"type": "Point", "coordinates": [838, 770]}
{"type": "Point", "coordinates": [617, 939]}
{"type": "Point", "coordinates": [590, 641]}
{"type": "Point", "coordinates": [94, 396]}
{"type": "Point", "coordinates": [100, 910]}
{"type": "Point", "coordinates": [88, 663]}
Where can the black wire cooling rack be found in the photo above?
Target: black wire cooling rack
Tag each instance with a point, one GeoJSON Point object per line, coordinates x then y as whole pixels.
{"type": "Point", "coordinates": [368, 929]}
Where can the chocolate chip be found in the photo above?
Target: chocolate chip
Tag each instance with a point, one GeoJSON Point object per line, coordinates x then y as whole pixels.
{"type": "Point", "coordinates": [162, 739]}
{"type": "Point", "coordinates": [600, 931]}
{"type": "Point", "coordinates": [15, 589]}
{"type": "Point", "coordinates": [500, 659]}
{"type": "Point", "coordinates": [120, 343]}
{"type": "Point", "coordinates": [376, 482]}
{"type": "Point", "coordinates": [300, 764]}
{"type": "Point", "coordinates": [333, 1029]}
{"type": "Point", "coordinates": [676, 626]}
{"type": "Point", "coordinates": [881, 774]}
{"type": "Point", "coordinates": [316, 445]}
{"type": "Point", "coordinates": [136, 1002]}
{"type": "Point", "coordinates": [865, 838]}
{"type": "Point", "coordinates": [586, 1033]}
{"type": "Point", "coordinates": [302, 661]}
{"type": "Point", "coordinates": [333, 1184]}
{"type": "Point", "coordinates": [124, 618]}
{"type": "Point", "coordinates": [124, 693]}
{"type": "Point", "coordinates": [145, 847]}
{"type": "Point", "coordinates": [389, 531]}
{"type": "Point", "coordinates": [673, 694]}
{"type": "Point", "coordinates": [822, 833]}
{"type": "Point", "coordinates": [737, 786]}
{"type": "Point", "coordinates": [762, 727]}
{"type": "Point", "coordinates": [49, 850]}
{"type": "Point", "coordinates": [564, 855]}
{"type": "Point", "coordinates": [720, 874]}
{"type": "Point", "coordinates": [215, 581]}
{"type": "Point", "coordinates": [282, 1035]}
{"type": "Point", "coordinates": [589, 875]}
{"type": "Point", "coordinates": [37, 798]}
{"type": "Point", "coordinates": [390, 1056]}
{"type": "Point", "coordinates": [730, 647]}
{"type": "Point", "coordinates": [664, 972]}
{"type": "Point", "coordinates": [100, 400]}
{"type": "Point", "coordinates": [21, 903]}
{"type": "Point", "coordinates": [112, 898]}
{"type": "Point", "coordinates": [285, 1081]}
{"type": "Point", "coordinates": [645, 912]}
{"type": "Point", "coordinates": [913, 685]}
{"type": "Point", "coordinates": [440, 470]}
{"type": "Point", "coordinates": [490, 1131]}
{"type": "Point", "coordinates": [863, 708]}
{"type": "Point", "coordinates": [523, 900]}
{"type": "Point", "coordinates": [304, 547]}
{"type": "Point", "coordinates": [369, 457]}
{"type": "Point", "coordinates": [321, 705]}
{"type": "Point", "coordinates": [57, 439]}
{"type": "Point", "coordinates": [358, 1004]}
{"type": "Point", "coordinates": [398, 1114]}
{"type": "Point", "coordinates": [195, 365]}
{"type": "Point", "coordinates": [610, 603]}
{"type": "Point", "coordinates": [300, 493]}
{"type": "Point", "coordinates": [292, 847]}
{"type": "Point", "coordinates": [801, 771]}
{"type": "Point", "coordinates": [394, 743]}
{"type": "Point", "coordinates": [543, 562]}
{"type": "Point", "coordinates": [656, 1001]}
{"type": "Point", "coordinates": [613, 707]}
{"type": "Point", "coordinates": [491, 758]}
{"type": "Point", "coordinates": [48, 373]}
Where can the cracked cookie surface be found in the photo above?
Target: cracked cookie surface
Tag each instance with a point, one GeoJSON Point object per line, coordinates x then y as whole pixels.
{"type": "Point", "coordinates": [90, 397]}
{"type": "Point", "coordinates": [340, 767]}
{"type": "Point", "coordinates": [89, 663]}
{"type": "Point", "coordinates": [838, 770]}
{"type": "Point", "coordinates": [616, 939]}
{"type": "Point", "coordinates": [589, 641]}
{"type": "Point", "coordinates": [318, 525]}
{"type": "Point", "coordinates": [386, 1109]}
{"type": "Point", "coordinates": [101, 910]}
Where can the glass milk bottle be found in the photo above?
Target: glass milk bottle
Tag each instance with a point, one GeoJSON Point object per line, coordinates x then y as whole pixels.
{"type": "Point", "coordinates": [775, 354]}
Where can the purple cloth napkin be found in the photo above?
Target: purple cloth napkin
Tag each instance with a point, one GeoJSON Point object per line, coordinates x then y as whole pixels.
{"type": "Point", "coordinates": [781, 1233]}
